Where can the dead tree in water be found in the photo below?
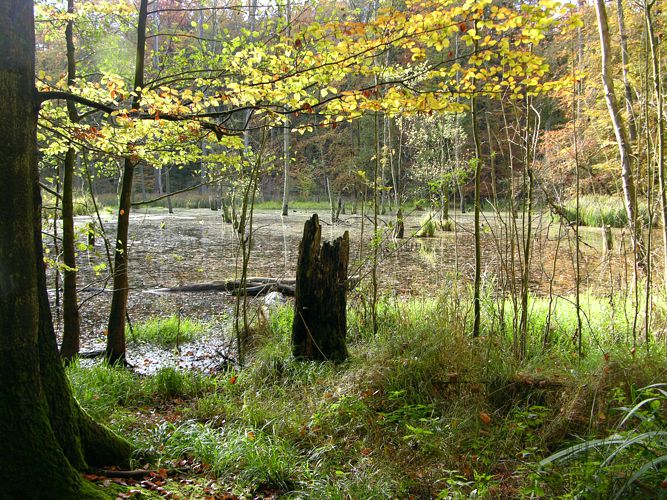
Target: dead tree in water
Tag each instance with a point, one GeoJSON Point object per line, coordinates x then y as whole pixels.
{"type": "Point", "coordinates": [320, 325]}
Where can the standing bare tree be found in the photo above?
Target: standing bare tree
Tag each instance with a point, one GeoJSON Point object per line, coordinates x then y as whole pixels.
{"type": "Point", "coordinates": [660, 129]}
{"type": "Point", "coordinates": [71, 324]}
{"type": "Point", "coordinates": [620, 130]}
{"type": "Point", "coordinates": [115, 350]}
{"type": "Point", "coordinates": [286, 130]}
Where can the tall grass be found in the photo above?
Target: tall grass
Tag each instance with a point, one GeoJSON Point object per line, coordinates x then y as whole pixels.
{"type": "Point", "coordinates": [427, 227]}
{"type": "Point", "coordinates": [628, 463]}
{"type": "Point", "coordinates": [420, 409]}
{"type": "Point", "coordinates": [166, 332]}
{"type": "Point", "coordinates": [189, 200]}
{"type": "Point", "coordinates": [597, 210]}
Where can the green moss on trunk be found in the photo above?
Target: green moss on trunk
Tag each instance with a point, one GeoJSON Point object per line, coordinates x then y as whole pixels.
{"type": "Point", "coordinates": [41, 425]}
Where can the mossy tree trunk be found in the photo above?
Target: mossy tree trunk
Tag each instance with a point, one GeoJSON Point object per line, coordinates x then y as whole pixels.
{"type": "Point", "coordinates": [320, 325]}
{"type": "Point", "coordinates": [46, 436]}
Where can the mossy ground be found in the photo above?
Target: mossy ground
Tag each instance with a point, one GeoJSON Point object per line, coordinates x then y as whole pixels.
{"type": "Point", "coordinates": [420, 410]}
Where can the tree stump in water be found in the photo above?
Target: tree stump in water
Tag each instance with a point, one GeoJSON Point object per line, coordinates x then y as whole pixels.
{"type": "Point", "coordinates": [607, 240]}
{"type": "Point", "coordinates": [399, 229]}
{"type": "Point", "coordinates": [320, 325]}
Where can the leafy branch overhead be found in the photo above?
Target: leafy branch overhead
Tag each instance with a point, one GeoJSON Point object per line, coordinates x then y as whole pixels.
{"type": "Point", "coordinates": [420, 59]}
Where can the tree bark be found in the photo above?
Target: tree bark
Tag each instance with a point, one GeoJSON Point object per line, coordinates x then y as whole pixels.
{"type": "Point", "coordinates": [477, 302]}
{"type": "Point", "coordinates": [167, 184]}
{"type": "Point", "coordinates": [115, 350]}
{"type": "Point", "coordinates": [660, 129]}
{"type": "Point", "coordinates": [46, 436]}
{"type": "Point", "coordinates": [320, 323]}
{"type": "Point", "coordinates": [620, 131]}
{"type": "Point", "coordinates": [632, 129]}
{"type": "Point", "coordinates": [71, 323]}
{"type": "Point", "coordinates": [287, 153]}
{"type": "Point", "coordinates": [286, 161]}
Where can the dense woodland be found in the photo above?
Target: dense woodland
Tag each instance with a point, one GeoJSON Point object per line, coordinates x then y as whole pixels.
{"type": "Point", "coordinates": [478, 309]}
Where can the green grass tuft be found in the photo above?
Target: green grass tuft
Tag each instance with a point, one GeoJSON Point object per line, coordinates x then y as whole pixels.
{"type": "Point", "coordinates": [598, 211]}
{"type": "Point", "coordinates": [166, 332]}
{"type": "Point", "coordinates": [427, 228]}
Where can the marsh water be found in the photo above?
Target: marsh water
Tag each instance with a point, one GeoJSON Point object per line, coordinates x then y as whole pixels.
{"type": "Point", "coordinates": [195, 246]}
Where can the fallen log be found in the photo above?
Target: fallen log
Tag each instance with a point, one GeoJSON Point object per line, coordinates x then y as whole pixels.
{"type": "Point", "coordinates": [224, 286]}
{"type": "Point", "coordinates": [254, 290]}
{"type": "Point", "coordinates": [92, 354]}
{"type": "Point", "coordinates": [213, 286]}
{"type": "Point", "coordinates": [254, 286]}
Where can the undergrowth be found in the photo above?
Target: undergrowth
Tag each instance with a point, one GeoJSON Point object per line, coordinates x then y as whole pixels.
{"type": "Point", "coordinates": [166, 332]}
{"type": "Point", "coordinates": [598, 211]}
{"type": "Point", "coordinates": [419, 410]}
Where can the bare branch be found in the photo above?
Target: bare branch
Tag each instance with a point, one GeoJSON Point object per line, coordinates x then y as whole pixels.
{"type": "Point", "coordinates": [53, 95]}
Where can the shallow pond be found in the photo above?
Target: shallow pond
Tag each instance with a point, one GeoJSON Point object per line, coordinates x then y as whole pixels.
{"type": "Point", "coordinates": [193, 246]}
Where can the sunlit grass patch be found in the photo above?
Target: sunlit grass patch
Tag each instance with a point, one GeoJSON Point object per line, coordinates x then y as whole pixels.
{"type": "Point", "coordinates": [608, 323]}
{"type": "Point", "coordinates": [82, 203]}
{"type": "Point", "coordinates": [597, 211]}
{"type": "Point", "coordinates": [102, 390]}
{"type": "Point", "coordinates": [166, 332]}
{"type": "Point", "coordinates": [247, 457]}
{"type": "Point", "coordinates": [427, 227]}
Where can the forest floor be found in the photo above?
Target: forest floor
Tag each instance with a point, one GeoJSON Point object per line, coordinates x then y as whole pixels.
{"type": "Point", "coordinates": [420, 410]}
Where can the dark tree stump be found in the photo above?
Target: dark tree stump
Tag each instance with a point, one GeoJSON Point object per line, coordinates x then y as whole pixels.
{"type": "Point", "coordinates": [607, 240]}
{"type": "Point", "coordinates": [320, 324]}
{"type": "Point", "coordinates": [399, 229]}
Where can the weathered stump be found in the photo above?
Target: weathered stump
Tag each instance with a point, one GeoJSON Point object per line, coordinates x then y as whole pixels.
{"type": "Point", "coordinates": [399, 229]}
{"type": "Point", "coordinates": [607, 240]}
{"type": "Point", "coordinates": [90, 230]}
{"type": "Point", "coordinates": [320, 325]}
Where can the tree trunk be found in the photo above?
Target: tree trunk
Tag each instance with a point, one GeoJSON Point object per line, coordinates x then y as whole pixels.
{"type": "Point", "coordinates": [660, 129]}
{"type": "Point", "coordinates": [142, 180]}
{"type": "Point", "coordinates": [167, 184]}
{"type": "Point", "coordinates": [115, 350]}
{"type": "Point", "coordinates": [287, 126]}
{"type": "Point", "coordinates": [632, 129]}
{"type": "Point", "coordinates": [527, 230]}
{"type": "Point", "coordinates": [320, 323]}
{"type": "Point", "coordinates": [71, 323]}
{"type": "Point", "coordinates": [477, 303]}
{"type": "Point", "coordinates": [620, 131]}
{"type": "Point", "coordinates": [46, 436]}
{"type": "Point", "coordinates": [286, 160]}
{"type": "Point", "coordinates": [399, 230]}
